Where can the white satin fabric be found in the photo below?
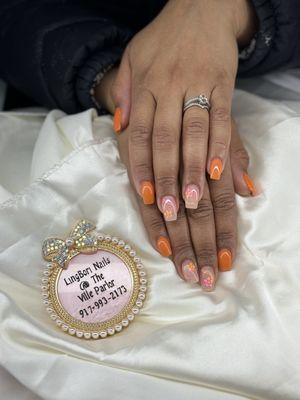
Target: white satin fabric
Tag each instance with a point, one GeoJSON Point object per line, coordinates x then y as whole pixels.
{"type": "Point", "coordinates": [239, 342]}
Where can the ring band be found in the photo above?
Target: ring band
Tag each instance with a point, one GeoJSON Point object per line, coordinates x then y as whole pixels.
{"type": "Point", "coordinates": [198, 101]}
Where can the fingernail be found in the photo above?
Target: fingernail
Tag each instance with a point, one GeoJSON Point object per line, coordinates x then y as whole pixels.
{"type": "Point", "coordinates": [216, 167]}
{"type": "Point", "coordinates": [250, 184]}
{"type": "Point", "coordinates": [225, 260]}
{"type": "Point", "coordinates": [169, 208]}
{"type": "Point", "coordinates": [117, 120]}
{"type": "Point", "coordinates": [147, 192]}
{"type": "Point", "coordinates": [189, 271]}
{"type": "Point", "coordinates": [207, 278]}
{"type": "Point", "coordinates": [164, 246]}
{"type": "Point", "coordinates": [191, 196]}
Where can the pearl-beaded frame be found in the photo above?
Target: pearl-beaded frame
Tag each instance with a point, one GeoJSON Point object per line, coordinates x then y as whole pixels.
{"type": "Point", "coordinates": [80, 329]}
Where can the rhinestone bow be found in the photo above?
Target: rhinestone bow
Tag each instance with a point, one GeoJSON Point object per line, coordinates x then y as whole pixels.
{"type": "Point", "coordinates": [61, 251]}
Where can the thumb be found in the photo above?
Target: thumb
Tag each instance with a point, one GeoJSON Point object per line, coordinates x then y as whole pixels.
{"type": "Point", "coordinates": [121, 90]}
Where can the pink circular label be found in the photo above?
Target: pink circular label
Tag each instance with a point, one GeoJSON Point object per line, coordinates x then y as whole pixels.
{"type": "Point", "coordinates": [95, 287]}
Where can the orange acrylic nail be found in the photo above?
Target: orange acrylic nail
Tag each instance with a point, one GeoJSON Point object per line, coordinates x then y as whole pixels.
{"type": "Point", "coordinates": [117, 120]}
{"type": "Point", "coordinates": [164, 246]}
{"type": "Point", "coordinates": [147, 192]}
{"type": "Point", "coordinates": [216, 168]}
{"type": "Point", "coordinates": [225, 260]}
{"type": "Point", "coordinates": [250, 184]}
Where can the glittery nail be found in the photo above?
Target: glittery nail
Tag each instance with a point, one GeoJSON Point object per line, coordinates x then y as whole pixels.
{"type": "Point", "coordinates": [169, 208]}
{"type": "Point", "coordinates": [189, 270]}
{"type": "Point", "coordinates": [191, 196]}
{"type": "Point", "coordinates": [207, 278]}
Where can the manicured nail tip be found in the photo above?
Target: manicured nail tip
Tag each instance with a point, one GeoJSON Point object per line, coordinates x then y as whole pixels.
{"type": "Point", "coordinates": [207, 278]}
{"type": "Point", "coordinates": [164, 246]}
{"type": "Point", "coordinates": [117, 120]}
{"type": "Point", "coordinates": [191, 196]}
{"type": "Point", "coordinates": [169, 208]}
{"type": "Point", "coordinates": [147, 192]}
{"type": "Point", "coordinates": [250, 184]}
{"type": "Point", "coordinates": [189, 270]}
{"type": "Point", "coordinates": [225, 260]}
{"type": "Point", "coordinates": [216, 168]}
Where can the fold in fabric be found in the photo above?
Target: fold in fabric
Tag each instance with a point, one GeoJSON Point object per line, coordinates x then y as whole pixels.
{"type": "Point", "coordinates": [239, 342]}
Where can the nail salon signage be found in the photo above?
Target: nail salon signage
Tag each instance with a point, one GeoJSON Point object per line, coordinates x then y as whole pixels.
{"type": "Point", "coordinates": [93, 285]}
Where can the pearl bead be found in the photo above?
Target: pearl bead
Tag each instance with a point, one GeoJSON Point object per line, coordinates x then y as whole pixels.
{"type": "Point", "coordinates": [110, 331]}
{"type": "Point", "coordinates": [143, 288]}
{"type": "Point", "coordinates": [46, 273]}
{"type": "Point", "coordinates": [139, 303]}
{"type": "Point", "coordinates": [44, 280]}
{"type": "Point", "coordinates": [107, 238]}
{"type": "Point", "coordinates": [53, 316]}
{"type": "Point", "coordinates": [132, 253]}
{"type": "Point", "coordinates": [125, 322]}
{"type": "Point", "coordinates": [143, 281]}
{"type": "Point", "coordinates": [103, 334]}
{"type": "Point", "coordinates": [79, 334]}
{"type": "Point", "coordinates": [115, 240]}
{"type": "Point", "coordinates": [95, 335]}
{"type": "Point", "coordinates": [137, 259]}
{"type": "Point", "coordinates": [64, 327]}
{"type": "Point", "coordinates": [118, 327]}
{"type": "Point", "coordinates": [127, 247]}
{"type": "Point", "coordinates": [121, 243]}
{"type": "Point", "coordinates": [141, 296]}
{"type": "Point", "coordinates": [87, 335]}
{"type": "Point", "coordinates": [142, 273]}
{"type": "Point", "coordinates": [72, 331]}
{"type": "Point", "coordinates": [100, 236]}
{"type": "Point", "coordinates": [139, 266]}
{"type": "Point", "coordinates": [45, 295]}
{"type": "Point", "coordinates": [135, 310]}
{"type": "Point", "coordinates": [130, 317]}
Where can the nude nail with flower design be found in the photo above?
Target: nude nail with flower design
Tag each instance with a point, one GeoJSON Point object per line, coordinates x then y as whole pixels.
{"type": "Point", "coordinates": [169, 208]}
{"type": "Point", "coordinates": [207, 278]}
{"type": "Point", "coordinates": [189, 270]}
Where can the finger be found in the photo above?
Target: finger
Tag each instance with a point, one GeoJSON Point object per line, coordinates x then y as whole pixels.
{"type": "Point", "coordinates": [121, 94]}
{"type": "Point", "coordinates": [183, 253]}
{"type": "Point", "coordinates": [225, 212]}
{"type": "Point", "coordinates": [140, 144]}
{"type": "Point", "coordinates": [202, 229]}
{"type": "Point", "coordinates": [243, 184]}
{"type": "Point", "coordinates": [220, 130]}
{"type": "Point", "coordinates": [195, 140]}
{"type": "Point", "coordinates": [166, 137]}
{"type": "Point", "coordinates": [155, 226]}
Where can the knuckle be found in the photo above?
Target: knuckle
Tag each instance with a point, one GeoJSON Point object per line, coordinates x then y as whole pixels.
{"type": "Point", "coordinates": [203, 212]}
{"type": "Point", "coordinates": [196, 128]}
{"type": "Point", "coordinates": [139, 135]}
{"type": "Point", "coordinates": [141, 168]}
{"type": "Point", "coordinates": [155, 224]}
{"type": "Point", "coordinates": [182, 250]}
{"type": "Point", "coordinates": [166, 182]}
{"type": "Point", "coordinates": [224, 202]}
{"type": "Point", "coordinates": [225, 237]}
{"type": "Point", "coordinates": [196, 170]}
{"type": "Point", "coordinates": [220, 114]}
{"type": "Point", "coordinates": [241, 155]}
{"type": "Point", "coordinates": [206, 255]}
{"type": "Point", "coordinates": [163, 137]}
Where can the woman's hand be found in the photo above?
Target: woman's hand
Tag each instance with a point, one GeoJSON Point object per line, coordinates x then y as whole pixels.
{"type": "Point", "coordinates": [201, 241]}
{"type": "Point", "coordinates": [188, 50]}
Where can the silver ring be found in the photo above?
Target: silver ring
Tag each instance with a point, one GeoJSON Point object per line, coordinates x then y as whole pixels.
{"type": "Point", "coordinates": [198, 101]}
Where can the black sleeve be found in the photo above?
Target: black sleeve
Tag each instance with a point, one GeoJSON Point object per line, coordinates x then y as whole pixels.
{"type": "Point", "coordinates": [52, 50]}
{"type": "Point", "coordinates": [277, 43]}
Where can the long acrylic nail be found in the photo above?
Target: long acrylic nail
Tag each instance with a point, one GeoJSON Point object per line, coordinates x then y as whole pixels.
{"type": "Point", "coordinates": [189, 270]}
{"type": "Point", "coordinates": [216, 168]}
{"type": "Point", "coordinates": [224, 260]}
{"type": "Point", "coordinates": [191, 196]}
{"type": "Point", "coordinates": [147, 192]}
{"type": "Point", "coordinates": [207, 278]}
{"type": "Point", "coordinates": [169, 208]}
{"type": "Point", "coordinates": [117, 120]}
{"type": "Point", "coordinates": [164, 246]}
{"type": "Point", "coordinates": [250, 184]}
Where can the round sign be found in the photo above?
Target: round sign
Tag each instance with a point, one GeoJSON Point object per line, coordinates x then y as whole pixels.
{"type": "Point", "coordinates": [99, 292]}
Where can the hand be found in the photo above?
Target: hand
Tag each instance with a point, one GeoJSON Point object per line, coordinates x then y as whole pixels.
{"type": "Point", "coordinates": [201, 241]}
{"type": "Point", "coordinates": [164, 66]}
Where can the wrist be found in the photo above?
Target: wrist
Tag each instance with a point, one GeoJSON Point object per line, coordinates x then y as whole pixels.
{"type": "Point", "coordinates": [246, 22]}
